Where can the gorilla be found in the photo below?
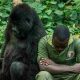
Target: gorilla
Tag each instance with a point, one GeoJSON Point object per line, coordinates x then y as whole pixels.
{"type": "Point", "coordinates": [22, 34]}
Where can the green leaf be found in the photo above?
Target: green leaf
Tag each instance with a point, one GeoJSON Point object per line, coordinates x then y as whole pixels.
{"type": "Point", "coordinates": [49, 12]}
{"type": "Point", "coordinates": [37, 6]}
{"type": "Point", "coordinates": [73, 16]}
{"type": "Point", "coordinates": [0, 14]}
{"type": "Point", "coordinates": [53, 2]}
{"type": "Point", "coordinates": [4, 15]}
{"type": "Point", "coordinates": [58, 12]}
{"type": "Point", "coordinates": [61, 5]}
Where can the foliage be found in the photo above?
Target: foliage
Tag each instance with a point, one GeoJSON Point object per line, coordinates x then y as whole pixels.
{"type": "Point", "coordinates": [5, 8]}
{"type": "Point", "coordinates": [51, 12]}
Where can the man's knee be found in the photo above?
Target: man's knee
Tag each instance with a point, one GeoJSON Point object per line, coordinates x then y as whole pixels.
{"type": "Point", "coordinates": [17, 68]}
{"type": "Point", "coordinates": [43, 75]}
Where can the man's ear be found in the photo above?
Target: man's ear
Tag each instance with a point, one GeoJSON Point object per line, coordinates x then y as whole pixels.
{"type": "Point", "coordinates": [17, 2]}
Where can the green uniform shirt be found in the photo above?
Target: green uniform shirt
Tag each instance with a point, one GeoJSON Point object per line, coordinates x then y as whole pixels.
{"type": "Point", "coordinates": [69, 56]}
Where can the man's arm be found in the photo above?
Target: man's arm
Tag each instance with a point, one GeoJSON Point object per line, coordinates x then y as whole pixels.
{"type": "Point", "coordinates": [48, 65]}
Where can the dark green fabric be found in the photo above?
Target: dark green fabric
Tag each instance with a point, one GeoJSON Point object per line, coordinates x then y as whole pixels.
{"type": "Point", "coordinates": [69, 56]}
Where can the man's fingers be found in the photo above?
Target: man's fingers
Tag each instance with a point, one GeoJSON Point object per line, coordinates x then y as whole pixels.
{"type": "Point", "coordinates": [42, 62]}
{"type": "Point", "coordinates": [43, 58]}
{"type": "Point", "coordinates": [46, 64]}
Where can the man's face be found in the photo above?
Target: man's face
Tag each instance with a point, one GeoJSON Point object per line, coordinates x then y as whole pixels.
{"type": "Point", "coordinates": [59, 45]}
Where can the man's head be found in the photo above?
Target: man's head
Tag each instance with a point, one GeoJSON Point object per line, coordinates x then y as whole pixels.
{"type": "Point", "coordinates": [60, 37]}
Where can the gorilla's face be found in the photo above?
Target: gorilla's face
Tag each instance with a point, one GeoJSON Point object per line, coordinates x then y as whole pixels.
{"type": "Point", "coordinates": [22, 27]}
{"type": "Point", "coordinates": [22, 21]}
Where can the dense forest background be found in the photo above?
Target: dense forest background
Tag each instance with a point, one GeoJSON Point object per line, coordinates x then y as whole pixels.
{"type": "Point", "coordinates": [51, 12]}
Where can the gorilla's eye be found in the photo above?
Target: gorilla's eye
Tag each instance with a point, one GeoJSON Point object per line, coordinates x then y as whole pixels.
{"type": "Point", "coordinates": [28, 20]}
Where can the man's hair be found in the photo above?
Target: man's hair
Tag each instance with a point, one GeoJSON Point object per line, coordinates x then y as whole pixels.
{"type": "Point", "coordinates": [61, 32]}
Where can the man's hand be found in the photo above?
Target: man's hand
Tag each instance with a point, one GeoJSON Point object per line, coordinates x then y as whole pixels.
{"type": "Point", "coordinates": [43, 63]}
{"type": "Point", "coordinates": [46, 61]}
{"type": "Point", "coordinates": [76, 68]}
{"type": "Point", "coordinates": [16, 2]}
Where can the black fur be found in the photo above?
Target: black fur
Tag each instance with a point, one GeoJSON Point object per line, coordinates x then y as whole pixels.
{"type": "Point", "coordinates": [22, 35]}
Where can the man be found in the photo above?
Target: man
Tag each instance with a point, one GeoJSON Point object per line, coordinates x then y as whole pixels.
{"type": "Point", "coordinates": [59, 56]}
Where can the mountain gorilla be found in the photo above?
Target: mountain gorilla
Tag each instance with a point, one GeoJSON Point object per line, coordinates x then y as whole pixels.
{"type": "Point", "coordinates": [22, 34]}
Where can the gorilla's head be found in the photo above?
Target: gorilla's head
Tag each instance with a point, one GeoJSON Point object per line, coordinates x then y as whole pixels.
{"type": "Point", "coordinates": [21, 18]}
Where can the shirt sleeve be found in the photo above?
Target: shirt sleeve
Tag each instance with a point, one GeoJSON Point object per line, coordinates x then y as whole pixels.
{"type": "Point", "coordinates": [42, 49]}
{"type": "Point", "coordinates": [77, 50]}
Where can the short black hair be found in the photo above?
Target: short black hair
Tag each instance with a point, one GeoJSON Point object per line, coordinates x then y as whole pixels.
{"type": "Point", "coordinates": [61, 32]}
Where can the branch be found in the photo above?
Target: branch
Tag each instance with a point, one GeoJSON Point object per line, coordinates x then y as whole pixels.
{"type": "Point", "coordinates": [17, 2]}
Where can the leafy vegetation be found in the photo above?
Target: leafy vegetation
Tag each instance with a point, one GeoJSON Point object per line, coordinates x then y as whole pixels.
{"type": "Point", "coordinates": [51, 12]}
